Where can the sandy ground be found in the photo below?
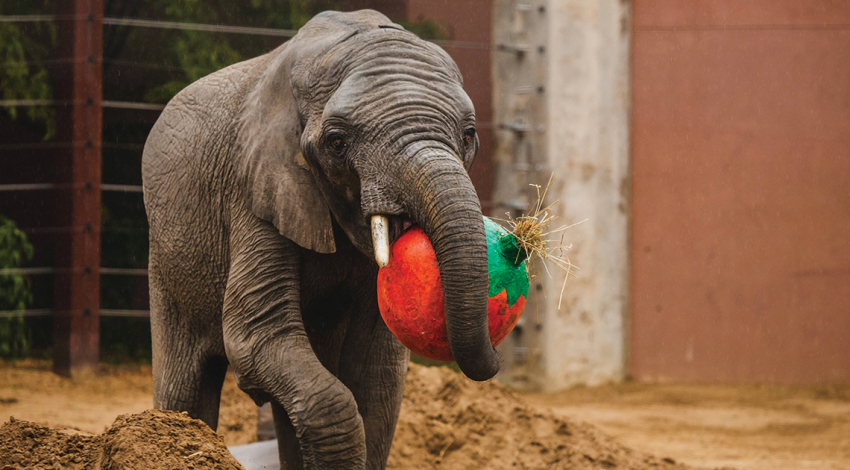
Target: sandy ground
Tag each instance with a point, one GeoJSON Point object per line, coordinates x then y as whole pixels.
{"type": "Point", "coordinates": [30, 391]}
{"type": "Point", "coordinates": [745, 427]}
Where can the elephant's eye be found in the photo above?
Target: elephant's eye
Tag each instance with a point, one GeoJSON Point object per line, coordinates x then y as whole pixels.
{"type": "Point", "coordinates": [469, 136]}
{"type": "Point", "coordinates": [337, 143]}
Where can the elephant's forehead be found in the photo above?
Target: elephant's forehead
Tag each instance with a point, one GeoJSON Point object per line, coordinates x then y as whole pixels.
{"type": "Point", "coordinates": [376, 90]}
{"type": "Point", "coordinates": [385, 48]}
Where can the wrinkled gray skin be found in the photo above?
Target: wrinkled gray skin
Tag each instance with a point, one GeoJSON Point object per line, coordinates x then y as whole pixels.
{"type": "Point", "coordinates": [260, 181]}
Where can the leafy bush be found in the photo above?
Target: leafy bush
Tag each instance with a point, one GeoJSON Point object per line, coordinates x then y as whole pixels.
{"type": "Point", "coordinates": [14, 289]}
{"type": "Point", "coordinates": [24, 47]}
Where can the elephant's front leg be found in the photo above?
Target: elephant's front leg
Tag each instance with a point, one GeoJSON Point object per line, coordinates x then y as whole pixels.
{"type": "Point", "coordinates": [271, 355]}
{"type": "Point", "coordinates": [373, 364]}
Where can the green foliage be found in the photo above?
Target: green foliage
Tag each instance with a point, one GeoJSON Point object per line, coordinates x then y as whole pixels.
{"type": "Point", "coordinates": [200, 53]}
{"type": "Point", "coordinates": [23, 75]}
{"type": "Point", "coordinates": [215, 55]}
{"type": "Point", "coordinates": [14, 289]}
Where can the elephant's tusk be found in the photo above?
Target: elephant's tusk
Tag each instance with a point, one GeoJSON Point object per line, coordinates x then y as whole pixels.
{"type": "Point", "coordinates": [381, 239]}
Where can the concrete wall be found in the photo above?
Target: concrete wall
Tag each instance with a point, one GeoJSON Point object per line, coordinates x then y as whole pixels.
{"type": "Point", "coordinates": [586, 145]}
{"type": "Point", "coordinates": [588, 149]}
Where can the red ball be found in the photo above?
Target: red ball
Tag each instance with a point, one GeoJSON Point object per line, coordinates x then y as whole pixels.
{"type": "Point", "coordinates": [410, 298]}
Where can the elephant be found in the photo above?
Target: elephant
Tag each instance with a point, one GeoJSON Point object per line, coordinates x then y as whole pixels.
{"type": "Point", "coordinates": [273, 189]}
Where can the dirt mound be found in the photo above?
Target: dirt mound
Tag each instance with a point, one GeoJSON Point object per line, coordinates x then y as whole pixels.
{"type": "Point", "coordinates": [449, 422]}
{"type": "Point", "coordinates": [150, 440]}
{"type": "Point", "coordinates": [28, 445]}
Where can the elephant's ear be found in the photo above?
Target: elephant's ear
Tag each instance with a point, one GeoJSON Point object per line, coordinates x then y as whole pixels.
{"type": "Point", "coordinates": [278, 182]}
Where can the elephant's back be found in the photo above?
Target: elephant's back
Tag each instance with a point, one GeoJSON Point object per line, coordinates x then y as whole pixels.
{"type": "Point", "coordinates": [187, 151]}
{"type": "Point", "coordinates": [187, 183]}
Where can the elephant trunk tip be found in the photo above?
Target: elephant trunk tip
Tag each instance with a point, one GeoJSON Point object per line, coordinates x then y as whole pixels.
{"type": "Point", "coordinates": [484, 367]}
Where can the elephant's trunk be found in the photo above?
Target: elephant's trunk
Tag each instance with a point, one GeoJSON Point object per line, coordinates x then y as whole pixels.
{"type": "Point", "coordinates": [443, 201]}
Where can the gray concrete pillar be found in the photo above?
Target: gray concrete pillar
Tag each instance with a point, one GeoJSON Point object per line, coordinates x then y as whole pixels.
{"type": "Point", "coordinates": [581, 133]}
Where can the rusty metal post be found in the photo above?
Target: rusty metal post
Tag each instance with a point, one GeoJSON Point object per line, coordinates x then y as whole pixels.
{"type": "Point", "coordinates": [77, 289]}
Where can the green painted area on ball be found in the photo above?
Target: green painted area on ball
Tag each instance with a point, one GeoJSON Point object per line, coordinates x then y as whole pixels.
{"type": "Point", "coordinates": [501, 257]}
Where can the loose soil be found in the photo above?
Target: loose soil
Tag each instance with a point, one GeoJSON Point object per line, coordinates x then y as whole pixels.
{"type": "Point", "coordinates": [746, 426]}
{"type": "Point", "coordinates": [449, 422]}
{"type": "Point", "coordinates": [153, 439]}
{"type": "Point", "coordinates": [30, 391]}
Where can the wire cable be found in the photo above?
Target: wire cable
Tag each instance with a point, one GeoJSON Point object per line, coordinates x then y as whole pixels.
{"type": "Point", "coordinates": [45, 312]}
{"type": "Point", "coordinates": [288, 33]}
{"type": "Point", "coordinates": [120, 188]}
{"type": "Point", "coordinates": [132, 105]}
{"type": "Point", "coordinates": [81, 229]}
{"type": "Point", "coordinates": [40, 18]}
{"type": "Point", "coordinates": [231, 29]}
{"type": "Point", "coordinates": [111, 312]}
{"type": "Point", "coordinates": [104, 103]}
{"type": "Point", "coordinates": [38, 271]}
{"type": "Point", "coordinates": [57, 145]}
{"type": "Point", "coordinates": [449, 44]}
{"type": "Point", "coordinates": [26, 313]}
{"type": "Point", "coordinates": [41, 145]}
{"type": "Point", "coordinates": [128, 63]}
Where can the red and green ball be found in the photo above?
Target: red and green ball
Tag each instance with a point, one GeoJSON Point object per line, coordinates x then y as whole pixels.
{"type": "Point", "coordinates": [410, 294]}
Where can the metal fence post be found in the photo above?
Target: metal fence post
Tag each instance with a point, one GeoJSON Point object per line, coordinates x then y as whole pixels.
{"type": "Point", "coordinates": [77, 288]}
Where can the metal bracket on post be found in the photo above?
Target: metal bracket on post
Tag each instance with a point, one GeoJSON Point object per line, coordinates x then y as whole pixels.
{"type": "Point", "coordinates": [516, 127]}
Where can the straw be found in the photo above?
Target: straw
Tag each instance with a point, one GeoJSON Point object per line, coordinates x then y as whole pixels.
{"type": "Point", "coordinates": [533, 235]}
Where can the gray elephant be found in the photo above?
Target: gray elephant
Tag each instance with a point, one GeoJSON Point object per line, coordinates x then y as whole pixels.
{"type": "Point", "coordinates": [272, 187]}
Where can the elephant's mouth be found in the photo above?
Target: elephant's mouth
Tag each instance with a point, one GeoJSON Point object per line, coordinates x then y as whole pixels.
{"type": "Point", "coordinates": [385, 231]}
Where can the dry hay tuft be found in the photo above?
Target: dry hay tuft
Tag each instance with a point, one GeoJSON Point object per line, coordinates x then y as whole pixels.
{"type": "Point", "coordinates": [533, 234]}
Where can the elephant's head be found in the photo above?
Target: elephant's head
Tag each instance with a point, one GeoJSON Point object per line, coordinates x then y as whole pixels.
{"type": "Point", "coordinates": [358, 121]}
